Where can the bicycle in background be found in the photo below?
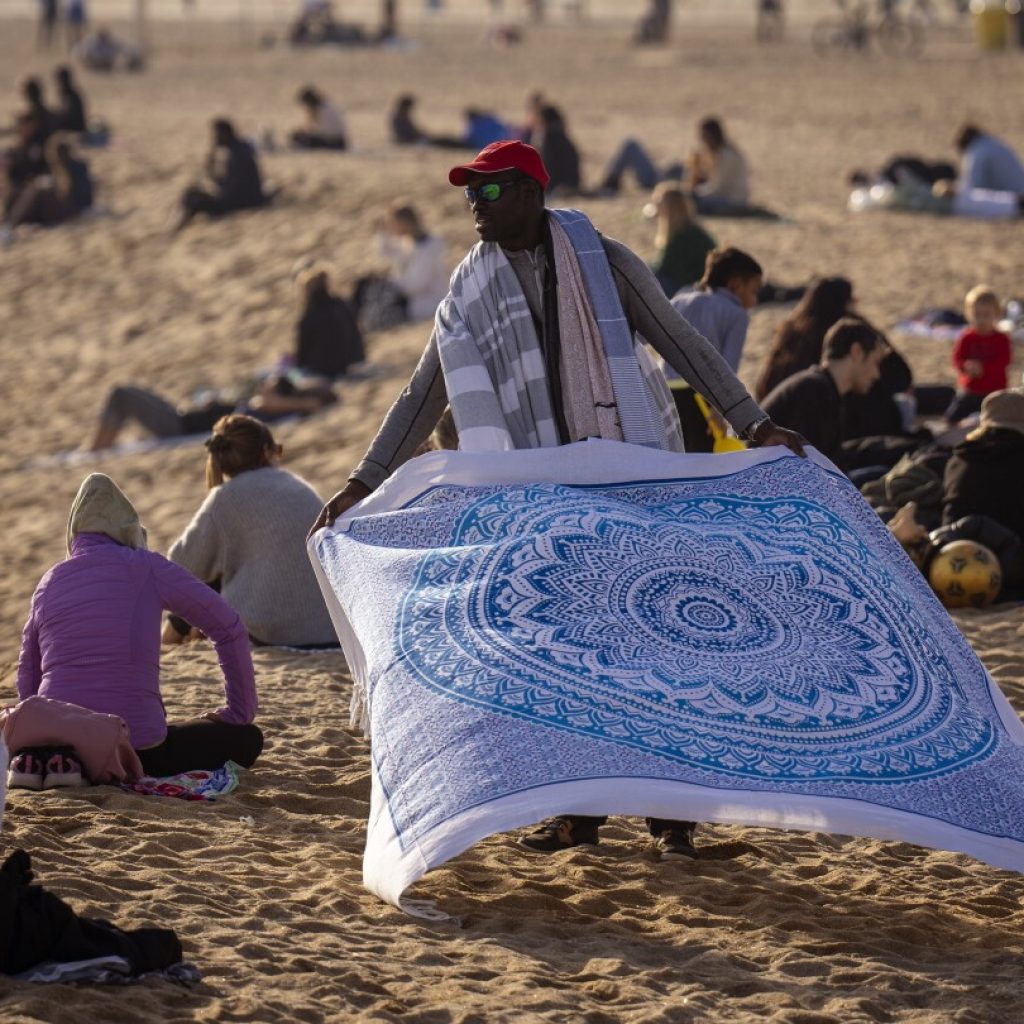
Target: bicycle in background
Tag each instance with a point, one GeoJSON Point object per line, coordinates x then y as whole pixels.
{"type": "Point", "coordinates": [857, 30]}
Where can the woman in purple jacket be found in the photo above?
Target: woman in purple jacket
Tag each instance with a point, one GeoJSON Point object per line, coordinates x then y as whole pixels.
{"type": "Point", "coordinates": [93, 638]}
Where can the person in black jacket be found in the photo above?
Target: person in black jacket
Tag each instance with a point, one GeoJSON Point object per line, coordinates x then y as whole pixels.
{"type": "Point", "coordinates": [985, 473]}
{"type": "Point", "coordinates": [810, 402]}
{"type": "Point", "coordinates": [558, 152]}
{"type": "Point", "coordinates": [231, 167]}
{"type": "Point", "coordinates": [328, 341]}
{"type": "Point", "coordinates": [70, 114]}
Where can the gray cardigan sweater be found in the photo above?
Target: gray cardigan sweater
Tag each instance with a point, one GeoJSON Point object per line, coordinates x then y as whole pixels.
{"type": "Point", "coordinates": [250, 535]}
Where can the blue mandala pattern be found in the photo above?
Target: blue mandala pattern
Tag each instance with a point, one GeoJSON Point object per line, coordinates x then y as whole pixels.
{"type": "Point", "coordinates": [741, 633]}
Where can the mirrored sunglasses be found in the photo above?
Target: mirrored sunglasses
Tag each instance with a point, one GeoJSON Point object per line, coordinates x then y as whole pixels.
{"type": "Point", "coordinates": [490, 192]}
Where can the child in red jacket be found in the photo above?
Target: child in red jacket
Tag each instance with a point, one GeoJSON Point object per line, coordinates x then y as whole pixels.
{"type": "Point", "coordinates": [981, 354]}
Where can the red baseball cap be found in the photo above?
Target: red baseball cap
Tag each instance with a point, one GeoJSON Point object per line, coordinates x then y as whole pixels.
{"type": "Point", "coordinates": [507, 155]}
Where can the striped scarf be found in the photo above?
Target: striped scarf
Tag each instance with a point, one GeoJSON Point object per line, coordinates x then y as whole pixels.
{"type": "Point", "coordinates": [494, 365]}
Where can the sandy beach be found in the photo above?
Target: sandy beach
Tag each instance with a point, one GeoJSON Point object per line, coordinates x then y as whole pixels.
{"type": "Point", "coordinates": [264, 887]}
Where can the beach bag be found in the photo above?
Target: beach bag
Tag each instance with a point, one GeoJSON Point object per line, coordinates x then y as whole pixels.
{"type": "Point", "coordinates": [102, 742]}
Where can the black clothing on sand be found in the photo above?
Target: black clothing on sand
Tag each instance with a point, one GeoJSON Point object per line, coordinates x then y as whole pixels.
{"type": "Point", "coordinates": [37, 927]}
{"type": "Point", "coordinates": [986, 477]}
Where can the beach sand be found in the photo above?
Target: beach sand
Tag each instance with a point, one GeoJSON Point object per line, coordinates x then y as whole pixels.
{"type": "Point", "coordinates": [767, 926]}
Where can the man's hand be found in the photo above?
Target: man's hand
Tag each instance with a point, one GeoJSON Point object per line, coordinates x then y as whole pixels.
{"type": "Point", "coordinates": [352, 492]}
{"type": "Point", "coordinates": [974, 368]}
{"type": "Point", "coordinates": [769, 433]}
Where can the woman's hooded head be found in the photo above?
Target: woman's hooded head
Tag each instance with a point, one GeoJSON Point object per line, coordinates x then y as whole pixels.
{"type": "Point", "coordinates": [101, 507]}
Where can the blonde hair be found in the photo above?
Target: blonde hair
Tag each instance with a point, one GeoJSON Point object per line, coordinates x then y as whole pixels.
{"type": "Point", "coordinates": [980, 295]}
{"type": "Point", "coordinates": [238, 443]}
{"type": "Point", "coordinates": [675, 211]}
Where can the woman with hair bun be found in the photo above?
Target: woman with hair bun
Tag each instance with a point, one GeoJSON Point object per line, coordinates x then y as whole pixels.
{"type": "Point", "coordinates": [248, 540]}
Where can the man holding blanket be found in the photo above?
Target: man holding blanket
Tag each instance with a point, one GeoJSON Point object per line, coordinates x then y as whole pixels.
{"type": "Point", "coordinates": [535, 346]}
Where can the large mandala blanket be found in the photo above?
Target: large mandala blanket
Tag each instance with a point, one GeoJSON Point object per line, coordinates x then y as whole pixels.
{"type": "Point", "coordinates": [603, 628]}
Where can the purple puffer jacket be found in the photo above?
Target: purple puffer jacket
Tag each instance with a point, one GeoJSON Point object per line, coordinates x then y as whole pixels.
{"type": "Point", "coordinates": [93, 635]}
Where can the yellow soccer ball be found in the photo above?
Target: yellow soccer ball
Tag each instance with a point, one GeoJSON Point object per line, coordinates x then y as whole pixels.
{"type": "Point", "coordinates": [965, 575]}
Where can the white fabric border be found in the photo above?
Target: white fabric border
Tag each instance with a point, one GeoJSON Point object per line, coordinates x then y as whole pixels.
{"type": "Point", "coordinates": [591, 462]}
{"type": "Point", "coordinates": [388, 871]}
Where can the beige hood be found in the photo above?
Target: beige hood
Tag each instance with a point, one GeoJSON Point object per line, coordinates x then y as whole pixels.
{"type": "Point", "coordinates": [101, 507]}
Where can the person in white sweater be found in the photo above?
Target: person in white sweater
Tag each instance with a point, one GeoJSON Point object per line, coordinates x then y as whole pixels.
{"type": "Point", "coordinates": [417, 277]}
{"type": "Point", "coordinates": [247, 540]}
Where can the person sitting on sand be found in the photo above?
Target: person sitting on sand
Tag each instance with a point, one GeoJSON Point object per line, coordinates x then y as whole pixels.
{"type": "Point", "coordinates": [248, 540]}
{"type": "Point", "coordinates": [45, 120]}
{"type": "Point", "coordinates": [719, 175]}
{"type": "Point", "coordinates": [530, 128]}
{"type": "Point", "coordinates": [93, 639]}
{"type": "Point", "coordinates": [274, 397]}
{"type": "Point", "coordinates": [558, 151]}
{"type": "Point", "coordinates": [59, 196]}
{"type": "Point", "coordinates": [102, 50]}
{"type": "Point", "coordinates": [683, 244]}
{"type": "Point", "coordinates": [70, 114]}
{"type": "Point", "coordinates": [404, 131]}
{"type": "Point", "coordinates": [24, 161]}
{"type": "Point", "coordinates": [328, 338]}
{"type": "Point", "coordinates": [810, 402]}
{"type": "Point", "coordinates": [234, 174]}
{"type": "Point", "coordinates": [324, 127]}
{"type": "Point", "coordinates": [797, 344]}
{"type": "Point", "coordinates": [314, 24]}
{"type": "Point", "coordinates": [417, 279]}
{"type": "Point", "coordinates": [719, 309]}
{"type": "Point", "coordinates": [720, 306]}
{"type": "Point", "coordinates": [987, 163]}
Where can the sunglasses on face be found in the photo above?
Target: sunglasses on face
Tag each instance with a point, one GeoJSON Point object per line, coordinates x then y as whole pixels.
{"type": "Point", "coordinates": [490, 192]}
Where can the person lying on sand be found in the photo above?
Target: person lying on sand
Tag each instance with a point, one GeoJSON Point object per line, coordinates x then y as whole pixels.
{"type": "Point", "coordinates": [270, 399]}
{"type": "Point", "coordinates": [717, 173]}
{"type": "Point", "coordinates": [93, 638]}
{"type": "Point", "coordinates": [246, 540]}
{"type": "Point", "coordinates": [515, 265]}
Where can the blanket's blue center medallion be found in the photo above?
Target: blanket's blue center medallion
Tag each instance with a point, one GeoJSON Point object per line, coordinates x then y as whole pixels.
{"type": "Point", "coordinates": [751, 637]}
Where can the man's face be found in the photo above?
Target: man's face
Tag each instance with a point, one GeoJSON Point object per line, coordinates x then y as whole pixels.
{"type": "Point", "coordinates": [866, 367]}
{"type": "Point", "coordinates": [747, 290]}
{"type": "Point", "coordinates": [501, 219]}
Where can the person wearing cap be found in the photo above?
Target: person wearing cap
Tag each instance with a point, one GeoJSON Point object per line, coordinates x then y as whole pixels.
{"type": "Point", "coordinates": [985, 473]}
{"type": "Point", "coordinates": [528, 265]}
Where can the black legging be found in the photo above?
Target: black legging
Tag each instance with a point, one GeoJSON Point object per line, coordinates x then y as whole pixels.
{"type": "Point", "coordinates": [202, 745]}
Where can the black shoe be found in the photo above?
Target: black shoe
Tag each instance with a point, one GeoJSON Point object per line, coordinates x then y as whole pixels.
{"type": "Point", "coordinates": [676, 842]}
{"type": "Point", "coordinates": [559, 834]}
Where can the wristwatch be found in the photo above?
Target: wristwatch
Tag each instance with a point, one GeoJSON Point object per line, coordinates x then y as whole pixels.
{"type": "Point", "coordinates": [751, 431]}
